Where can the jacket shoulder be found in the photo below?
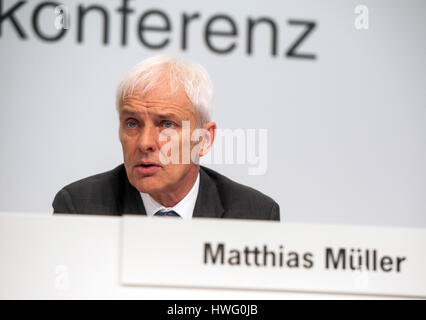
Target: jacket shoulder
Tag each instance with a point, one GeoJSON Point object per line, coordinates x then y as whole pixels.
{"type": "Point", "coordinates": [97, 193]}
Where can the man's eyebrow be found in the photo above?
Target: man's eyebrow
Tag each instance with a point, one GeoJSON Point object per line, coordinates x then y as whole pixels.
{"type": "Point", "coordinates": [159, 114]}
{"type": "Point", "coordinates": [127, 111]}
{"type": "Point", "coordinates": [165, 115]}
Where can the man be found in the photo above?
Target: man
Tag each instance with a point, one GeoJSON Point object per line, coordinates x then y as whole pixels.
{"type": "Point", "coordinates": [164, 107]}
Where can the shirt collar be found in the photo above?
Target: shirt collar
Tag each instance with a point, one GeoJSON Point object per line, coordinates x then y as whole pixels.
{"type": "Point", "coordinates": [184, 208]}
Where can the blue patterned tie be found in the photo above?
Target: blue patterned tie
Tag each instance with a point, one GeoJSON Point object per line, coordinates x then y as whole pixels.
{"type": "Point", "coordinates": [166, 214]}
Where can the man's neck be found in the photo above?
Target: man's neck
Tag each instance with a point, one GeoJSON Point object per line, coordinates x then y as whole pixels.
{"type": "Point", "coordinates": [172, 197]}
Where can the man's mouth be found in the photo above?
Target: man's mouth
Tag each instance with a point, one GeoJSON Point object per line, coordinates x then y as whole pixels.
{"type": "Point", "coordinates": [147, 168]}
{"type": "Point", "coordinates": [146, 165]}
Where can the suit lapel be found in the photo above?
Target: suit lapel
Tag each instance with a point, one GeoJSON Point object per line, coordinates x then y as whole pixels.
{"type": "Point", "coordinates": [208, 204]}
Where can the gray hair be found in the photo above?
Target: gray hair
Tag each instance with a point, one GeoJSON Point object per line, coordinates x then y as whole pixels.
{"type": "Point", "coordinates": [192, 77]}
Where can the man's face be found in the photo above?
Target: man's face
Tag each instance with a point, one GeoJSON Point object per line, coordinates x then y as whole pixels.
{"type": "Point", "coordinates": [142, 119]}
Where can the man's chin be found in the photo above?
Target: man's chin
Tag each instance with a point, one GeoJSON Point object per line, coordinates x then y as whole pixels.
{"type": "Point", "coordinates": [147, 185]}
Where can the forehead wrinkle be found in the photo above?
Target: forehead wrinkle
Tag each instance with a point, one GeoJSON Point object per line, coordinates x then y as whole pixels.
{"type": "Point", "coordinates": [151, 103]}
{"type": "Point", "coordinates": [153, 109]}
{"type": "Point", "coordinates": [158, 105]}
{"type": "Point", "coordinates": [160, 100]}
{"type": "Point", "coordinates": [163, 112]}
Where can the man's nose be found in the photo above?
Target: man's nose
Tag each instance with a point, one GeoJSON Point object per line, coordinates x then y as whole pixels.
{"type": "Point", "coordinates": [148, 139]}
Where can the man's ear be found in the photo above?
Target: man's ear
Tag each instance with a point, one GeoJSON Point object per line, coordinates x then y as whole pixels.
{"type": "Point", "coordinates": [208, 138]}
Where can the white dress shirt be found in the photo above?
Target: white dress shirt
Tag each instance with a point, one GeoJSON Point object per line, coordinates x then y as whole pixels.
{"type": "Point", "coordinates": [184, 208]}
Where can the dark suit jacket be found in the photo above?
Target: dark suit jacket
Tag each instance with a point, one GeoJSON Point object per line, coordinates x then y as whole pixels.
{"type": "Point", "coordinates": [110, 193]}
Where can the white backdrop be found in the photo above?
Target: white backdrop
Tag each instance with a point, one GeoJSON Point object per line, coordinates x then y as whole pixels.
{"type": "Point", "coordinates": [346, 131]}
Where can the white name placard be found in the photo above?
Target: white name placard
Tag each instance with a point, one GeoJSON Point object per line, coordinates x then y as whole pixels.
{"type": "Point", "coordinates": [260, 255]}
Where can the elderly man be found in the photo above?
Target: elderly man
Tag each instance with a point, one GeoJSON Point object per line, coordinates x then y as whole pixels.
{"type": "Point", "coordinates": [158, 101]}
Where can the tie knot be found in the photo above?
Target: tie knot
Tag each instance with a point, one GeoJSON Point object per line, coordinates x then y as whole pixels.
{"type": "Point", "coordinates": [166, 214]}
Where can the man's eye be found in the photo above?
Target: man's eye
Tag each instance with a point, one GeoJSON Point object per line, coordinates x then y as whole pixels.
{"type": "Point", "coordinates": [131, 124]}
{"type": "Point", "coordinates": [168, 124]}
